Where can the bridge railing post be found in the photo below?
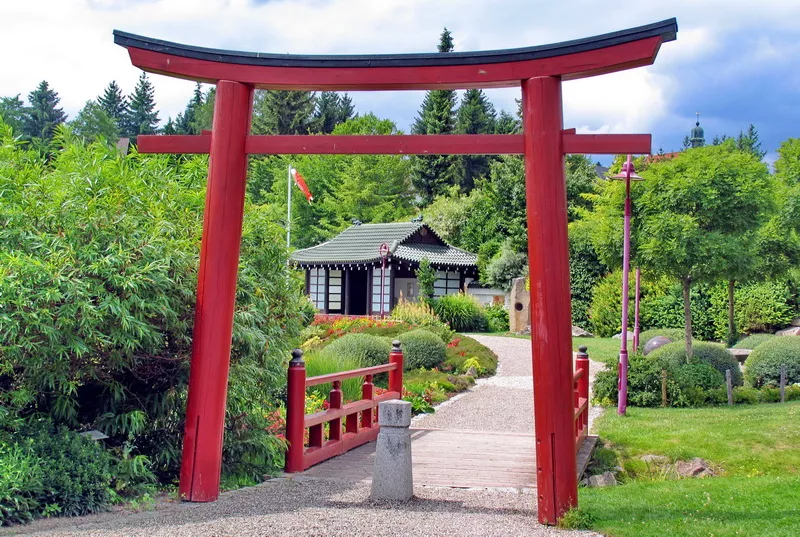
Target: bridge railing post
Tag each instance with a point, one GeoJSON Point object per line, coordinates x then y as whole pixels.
{"type": "Point", "coordinates": [582, 364]}
{"type": "Point", "coordinates": [396, 375]}
{"type": "Point", "coordinates": [295, 412]}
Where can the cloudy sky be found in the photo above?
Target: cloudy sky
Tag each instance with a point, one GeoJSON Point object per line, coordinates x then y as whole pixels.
{"type": "Point", "coordinates": [735, 61]}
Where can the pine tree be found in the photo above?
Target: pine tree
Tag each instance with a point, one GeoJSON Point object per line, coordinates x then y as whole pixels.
{"type": "Point", "coordinates": [506, 124]}
{"type": "Point", "coordinates": [326, 116]}
{"type": "Point", "coordinates": [12, 112]}
{"type": "Point", "coordinates": [186, 123]}
{"type": "Point", "coordinates": [749, 142]}
{"type": "Point", "coordinates": [346, 108]}
{"type": "Point", "coordinates": [142, 116]}
{"type": "Point", "coordinates": [433, 174]}
{"type": "Point", "coordinates": [169, 127]}
{"type": "Point", "coordinates": [283, 112]}
{"type": "Point", "coordinates": [476, 115]}
{"type": "Point", "coordinates": [43, 115]}
{"type": "Point", "coordinates": [115, 104]}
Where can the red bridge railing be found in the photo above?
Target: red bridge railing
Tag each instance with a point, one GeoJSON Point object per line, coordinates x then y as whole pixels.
{"type": "Point", "coordinates": [580, 387]}
{"type": "Point", "coordinates": [360, 417]}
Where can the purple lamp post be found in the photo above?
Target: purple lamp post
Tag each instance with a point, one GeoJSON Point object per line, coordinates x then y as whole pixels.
{"type": "Point", "coordinates": [627, 174]}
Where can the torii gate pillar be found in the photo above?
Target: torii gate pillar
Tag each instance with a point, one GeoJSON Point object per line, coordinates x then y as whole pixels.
{"type": "Point", "coordinates": [216, 293]}
{"type": "Point", "coordinates": [548, 259]}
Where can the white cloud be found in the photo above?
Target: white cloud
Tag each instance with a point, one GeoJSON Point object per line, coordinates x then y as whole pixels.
{"type": "Point", "coordinates": [69, 43]}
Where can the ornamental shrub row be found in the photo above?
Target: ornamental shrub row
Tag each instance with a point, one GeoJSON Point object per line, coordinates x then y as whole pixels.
{"type": "Point", "coordinates": [763, 366]}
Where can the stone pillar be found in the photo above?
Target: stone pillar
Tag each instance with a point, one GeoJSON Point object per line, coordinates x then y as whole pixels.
{"type": "Point", "coordinates": [519, 313]}
{"type": "Point", "coordinates": [392, 478]}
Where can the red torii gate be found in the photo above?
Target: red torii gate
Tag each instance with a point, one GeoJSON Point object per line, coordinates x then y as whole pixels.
{"type": "Point", "coordinates": [539, 70]}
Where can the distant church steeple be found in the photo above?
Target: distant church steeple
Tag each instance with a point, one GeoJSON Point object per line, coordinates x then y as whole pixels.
{"type": "Point", "coordinates": [697, 139]}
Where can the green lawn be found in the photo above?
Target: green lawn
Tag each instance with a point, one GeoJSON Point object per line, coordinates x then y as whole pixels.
{"type": "Point", "coordinates": [755, 448]}
{"type": "Point", "coordinates": [602, 349]}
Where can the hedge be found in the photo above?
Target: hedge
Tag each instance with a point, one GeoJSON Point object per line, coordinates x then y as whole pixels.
{"type": "Point", "coordinates": [422, 348]}
{"type": "Point", "coordinates": [763, 366]}
{"type": "Point", "coordinates": [673, 356]}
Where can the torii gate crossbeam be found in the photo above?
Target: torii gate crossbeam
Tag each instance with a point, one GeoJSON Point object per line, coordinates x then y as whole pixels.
{"type": "Point", "coordinates": [538, 70]}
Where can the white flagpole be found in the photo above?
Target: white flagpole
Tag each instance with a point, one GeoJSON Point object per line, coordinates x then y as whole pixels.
{"type": "Point", "coordinates": [289, 206]}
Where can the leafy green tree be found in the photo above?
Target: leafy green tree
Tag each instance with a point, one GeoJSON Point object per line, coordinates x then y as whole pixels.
{"type": "Point", "coordinates": [12, 113]}
{"type": "Point", "coordinates": [115, 104]}
{"type": "Point", "coordinates": [93, 123]}
{"type": "Point", "coordinates": [693, 211]}
{"type": "Point", "coordinates": [426, 277]}
{"type": "Point", "coordinates": [142, 116]}
{"type": "Point", "coordinates": [283, 112]}
{"type": "Point", "coordinates": [43, 114]}
{"type": "Point", "coordinates": [433, 174]}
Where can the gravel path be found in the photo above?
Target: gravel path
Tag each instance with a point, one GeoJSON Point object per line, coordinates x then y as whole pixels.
{"type": "Point", "coordinates": [308, 506]}
{"type": "Point", "coordinates": [486, 406]}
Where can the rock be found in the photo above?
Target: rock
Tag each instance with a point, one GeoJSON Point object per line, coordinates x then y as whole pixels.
{"type": "Point", "coordinates": [793, 331]}
{"type": "Point", "coordinates": [655, 459]}
{"type": "Point", "coordinates": [392, 477]}
{"type": "Point", "coordinates": [584, 482]}
{"type": "Point", "coordinates": [696, 467]}
{"type": "Point", "coordinates": [606, 479]}
{"type": "Point", "coordinates": [795, 321]}
{"type": "Point", "coordinates": [740, 354]}
{"type": "Point", "coordinates": [655, 343]}
{"type": "Point", "coordinates": [472, 372]}
{"type": "Point", "coordinates": [619, 336]}
{"type": "Point", "coordinates": [526, 331]}
{"type": "Point", "coordinates": [577, 331]}
{"type": "Point", "coordinates": [519, 314]}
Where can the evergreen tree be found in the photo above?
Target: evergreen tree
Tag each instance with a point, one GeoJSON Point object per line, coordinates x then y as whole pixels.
{"type": "Point", "coordinates": [93, 122]}
{"type": "Point", "coordinates": [506, 124]}
{"type": "Point", "coordinates": [749, 142]}
{"type": "Point", "coordinates": [142, 116]}
{"type": "Point", "coordinates": [43, 115]}
{"type": "Point", "coordinates": [433, 174]}
{"type": "Point", "coordinates": [204, 113]}
{"type": "Point", "coordinates": [186, 123]}
{"type": "Point", "coordinates": [12, 112]}
{"type": "Point", "coordinates": [115, 104]}
{"type": "Point", "coordinates": [326, 116]}
{"type": "Point", "coordinates": [169, 128]}
{"type": "Point", "coordinates": [283, 112]}
{"type": "Point", "coordinates": [475, 116]}
{"type": "Point", "coordinates": [346, 109]}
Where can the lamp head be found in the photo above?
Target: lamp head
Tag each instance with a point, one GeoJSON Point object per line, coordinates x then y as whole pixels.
{"type": "Point", "coordinates": [626, 168]}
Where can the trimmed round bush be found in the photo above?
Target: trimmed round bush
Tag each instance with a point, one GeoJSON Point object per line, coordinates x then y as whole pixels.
{"type": "Point", "coordinates": [369, 350]}
{"type": "Point", "coordinates": [672, 334]}
{"type": "Point", "coordinates": [462, 312]}
{"type": "Point", "coordinates": [753, 341]}
{"type": "Point", "coordinates": [699, 375]}
{"type": "Point", "coordinates": [763, 366]}
{"type": "Point", "coordinates": [671, 357]}
{"type": "Point", "coordinates": [422, 349]}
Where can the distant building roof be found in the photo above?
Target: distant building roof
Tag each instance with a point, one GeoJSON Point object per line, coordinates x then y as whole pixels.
{"type": "Point", "coordinates": [361, 244]}
{"type": "Point", "coordinates": [600, 170]}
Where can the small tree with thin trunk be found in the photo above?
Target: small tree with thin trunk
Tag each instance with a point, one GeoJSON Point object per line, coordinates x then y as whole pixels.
{"type": "Point", "coordinates": [426, 278]}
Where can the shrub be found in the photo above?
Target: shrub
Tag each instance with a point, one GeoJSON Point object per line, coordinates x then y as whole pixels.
{"type": "Point", "coordinates": [504, 267]}
{"type": "Point", "coordinates": [763, 366]}
{"type": "Point", "coordinates": [422, 348]}
{"type": "Point", "coordinates": [76, 471]}
{"type": "Point", "coordinates": [672, 334]}
{"type": "Point", "coordinates": [462, 312]}
{"type": "Point", "coordinates": [760, 307]}
{"type": "Point", "coordinates": [463, 348]}
{"type": "Point", "coordinates": [671, 357]}
{"type": "Point", "coordinates": [752, 341]}
{"type": "Point", "coordinates": [421, 315]}
{"type": "Point", "coordinates": [747, 396]}
{"type": "Point", "coordinates": [497, 318]}
{"type": "Point", "coordinates": [366, 349]}
{"type": "Point", "coordinates": [99, 328]}
{"type": "Point", "coordinates": [699, 375]}
{"type": "Point", "coordinates": [426, 278]}
{"type": "Point", "coordinates": [20, 485]}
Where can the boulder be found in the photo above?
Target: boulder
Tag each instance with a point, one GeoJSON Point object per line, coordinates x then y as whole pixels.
{"type": "Point", "coordinates": [655, 343]}
{"type": "Point", "coordinates": [795, 321]}
{"type": "Point", "coordinates": [655, 459]}
{"type": "Point", "coordinates": [577, 331]}
{"type": "Point", "coordinates": [619, 336]}
{"type": "Point", "coordinates": [696, 467]}
{"type": "Point", "coordinates": [792, 331]}
{"type": "Point", "coordinates": [519, 314]}
{"type": "Point", "coordinates": [606, 479]}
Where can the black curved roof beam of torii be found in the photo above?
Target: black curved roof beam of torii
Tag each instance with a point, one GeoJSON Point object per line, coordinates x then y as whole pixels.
{"type": "Point", "coordinates": [575, 59]}
{"type": "Point", "coordinates": [569, 60]}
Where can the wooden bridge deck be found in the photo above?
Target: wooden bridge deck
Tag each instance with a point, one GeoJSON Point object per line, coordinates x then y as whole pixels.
{"type": "Point", "coordinates": [451, 459]}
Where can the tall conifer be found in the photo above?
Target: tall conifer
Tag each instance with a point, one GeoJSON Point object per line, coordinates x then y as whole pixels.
{"type": "Point", "coordinates": [476, 115]}
{"type": "Point", "coordinates": [115, 104]}
{"type": "Point", "coordinates": [43, 114]}
{"type": "Point", "coordinates": [142, 116]}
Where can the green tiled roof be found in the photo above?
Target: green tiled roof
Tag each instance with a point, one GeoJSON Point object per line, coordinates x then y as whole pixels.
{"type": "Point", "coordinates": [360, 244]}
